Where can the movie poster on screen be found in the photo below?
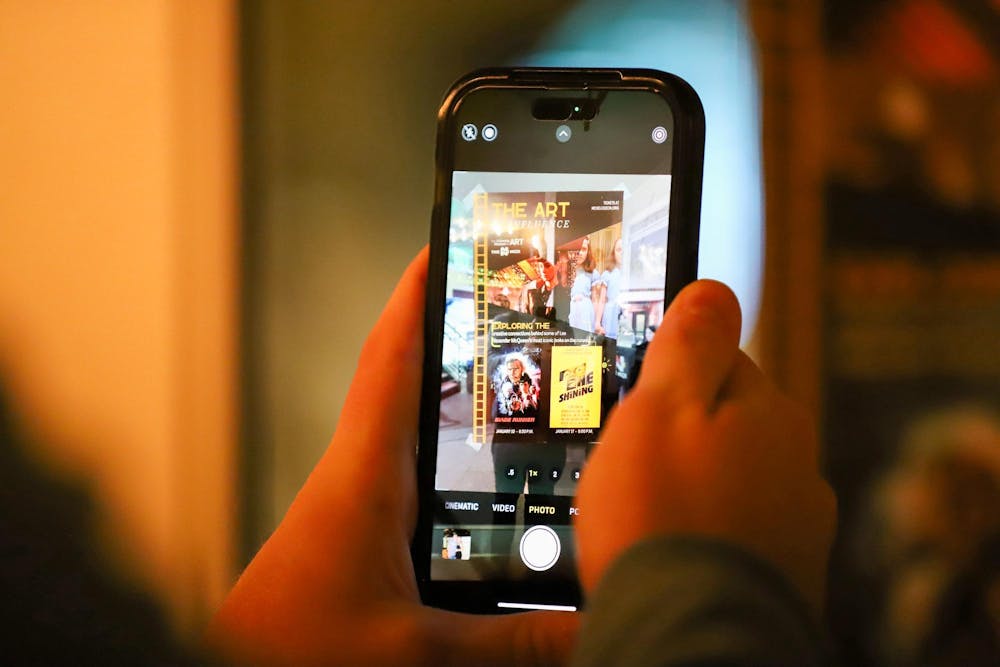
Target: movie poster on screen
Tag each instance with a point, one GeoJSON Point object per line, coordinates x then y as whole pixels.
{"type": "Point", "coordinates": [517, 392]}
{"type": "Point", "coordinates": [575, 395]}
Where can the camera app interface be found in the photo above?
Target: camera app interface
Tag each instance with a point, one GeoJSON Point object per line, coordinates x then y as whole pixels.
{"type": "Point", "coordinates": [555, 285]}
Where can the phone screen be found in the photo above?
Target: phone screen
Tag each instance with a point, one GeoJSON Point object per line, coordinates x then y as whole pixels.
{"type": "Point", "coordinates": [557, 248]}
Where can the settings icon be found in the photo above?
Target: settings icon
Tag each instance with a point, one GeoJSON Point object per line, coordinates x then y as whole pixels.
{"type": "Point", "coordinates": [469, 132]}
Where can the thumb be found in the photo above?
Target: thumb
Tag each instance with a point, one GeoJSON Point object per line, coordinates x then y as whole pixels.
{"type": "Point", "coordinates": [697, 345]}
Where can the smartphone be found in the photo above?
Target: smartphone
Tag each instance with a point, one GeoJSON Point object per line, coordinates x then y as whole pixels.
{"type": "Point", "coordinates": [565, 220]}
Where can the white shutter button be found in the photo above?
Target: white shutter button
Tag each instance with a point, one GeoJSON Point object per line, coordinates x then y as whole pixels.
{"type": "Point", "coordinates": [540, 548]}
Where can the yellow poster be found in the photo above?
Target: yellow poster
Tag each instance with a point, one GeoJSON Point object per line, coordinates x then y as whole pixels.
{"type": "Point", "coordinates": [575, 396]}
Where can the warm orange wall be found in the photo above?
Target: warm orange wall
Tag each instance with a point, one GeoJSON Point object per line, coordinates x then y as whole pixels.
{"type": "Point", "coordinates": [117, 267]}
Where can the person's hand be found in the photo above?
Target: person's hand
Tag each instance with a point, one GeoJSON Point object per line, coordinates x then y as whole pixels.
{"type": "Point", "coordinates": [704, 445]}
{"type": "Point", "coordinates": [335, 585]}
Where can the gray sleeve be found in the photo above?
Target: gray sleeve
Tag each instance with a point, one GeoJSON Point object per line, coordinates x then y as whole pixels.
{"type": "Point", "coordinates": [685, 601]}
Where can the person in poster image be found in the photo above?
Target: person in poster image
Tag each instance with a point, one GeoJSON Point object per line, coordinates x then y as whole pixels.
{"type": "Point", "coordinates": [560, 292]}
{"type": "Point", "coordinates": [517, 394]}
{"type": "Point", "coordinates": [537, 294]}
{"type": "Point", "coordinates": [581, 307]}
{"type": "Point", "coordinates": [609, 309]}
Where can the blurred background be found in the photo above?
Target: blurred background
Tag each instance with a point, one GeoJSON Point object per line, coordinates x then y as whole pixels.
{"type": "Point", "coordinates": [204, 205]}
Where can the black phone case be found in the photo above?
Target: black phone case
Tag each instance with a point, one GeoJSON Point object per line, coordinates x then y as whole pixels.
{"type": "Point", "coordinates": [682, 265]}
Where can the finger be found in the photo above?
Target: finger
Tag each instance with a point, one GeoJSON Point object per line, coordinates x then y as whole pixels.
{"type": "Point", "coordinates": [371, 454]}
{"type": "Point", "coordinates": [533, 639]}
{"type": "Point", "coordinates": [384, 397]}
{"type": "Point", "coordinates": [694, 350]}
